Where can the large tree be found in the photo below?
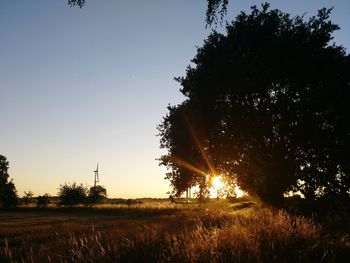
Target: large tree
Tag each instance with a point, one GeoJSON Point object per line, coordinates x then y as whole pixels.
{"type": "Point", "coordinates": [8, 194]}
{"type": "Point", "coordinates": [268, 103]}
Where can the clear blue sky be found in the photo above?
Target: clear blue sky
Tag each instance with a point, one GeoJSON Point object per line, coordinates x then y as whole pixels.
{"type": "Point", "coordinates": [79, 86]}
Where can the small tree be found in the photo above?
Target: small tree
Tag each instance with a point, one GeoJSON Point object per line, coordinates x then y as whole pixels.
{"type": "Point", "coordinates": [8, 193]}
{"type": "Point", "coordinates": [72, 194]}
{"type": "Point", "coordinates": [27, 196]}
{"type": "Point", "coordinates": [43, 200]}
{"type": "Point", "coordinates": [97, 194]}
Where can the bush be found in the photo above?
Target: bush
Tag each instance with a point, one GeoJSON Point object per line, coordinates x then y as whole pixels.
{"type": "Point", "coordinates": [43, 200]}
{"type": "Point", "coordinates": [27, 197]}
{"type": "Point", "coordinates": [72, 194]}
{"type": "Point", "coordinates": [97, 194]}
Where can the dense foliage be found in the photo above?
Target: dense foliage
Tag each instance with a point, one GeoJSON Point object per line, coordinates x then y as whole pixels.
{"type": "Point", "coordinates": [43, 200]}
{"type": "Point", "coordinates": [72, 194]}
{"type": "Point", "coordinates": [8, 194]}
{"type": "Point", "coordinates": [267, 104]}
{"type": "Point", "coordinates": [97, 194]}
{"type": "Point", "coordinates": [75, 194]}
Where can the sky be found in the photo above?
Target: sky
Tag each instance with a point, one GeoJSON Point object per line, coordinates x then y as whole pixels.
{"type": "Point", "coordinates": [81, 86]}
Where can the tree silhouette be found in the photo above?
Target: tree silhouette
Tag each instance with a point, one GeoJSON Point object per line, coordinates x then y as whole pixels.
{"type": "Point", "coordinates": [72, 194]}
{"type": "Point", "coordinates": [268, 104]}
{"type": "Point", "coordinates": [43, 200]}
{"type": "Point", "coordinates": [8, 195]}
{"type": "Point", "coordinates": [215, 11]}
{"type": "Point", "coordinates": [27, 196]}
{"type": "Point", "coordinates": [97, 194]}
{"type": "Point", "coordinates": [79, 3]}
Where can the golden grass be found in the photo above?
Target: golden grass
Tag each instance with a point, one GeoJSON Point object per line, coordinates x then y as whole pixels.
{"type": "Point", "coordinates": [171, 233]}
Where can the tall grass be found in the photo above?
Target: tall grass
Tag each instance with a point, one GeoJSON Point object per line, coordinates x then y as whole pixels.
{"type": "Point", "coordinates": [251, 235]}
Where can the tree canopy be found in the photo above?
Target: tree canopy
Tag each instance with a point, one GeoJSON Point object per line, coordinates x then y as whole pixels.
{"type": "Point", "coordinates": [43, 200]}
{"type": "Point", "coordinates": [8, 194]}
{"type": "Point", "coordinates": [268, 104]}
{"type": "Point", "coordinates": [97, 194]}
{"type": "Point", "coordinates": [216, 10]}
{"type": "Point", "coordinates": [72, 194]}
{"type": "Point", "coordinates": [75, 194]}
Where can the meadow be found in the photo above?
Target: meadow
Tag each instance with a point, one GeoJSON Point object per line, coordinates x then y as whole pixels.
{"type": "Point", "coordinates": [152, 231]}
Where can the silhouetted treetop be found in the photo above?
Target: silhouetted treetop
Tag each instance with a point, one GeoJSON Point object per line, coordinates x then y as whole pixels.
{"type": "Point", "coordinates": [79, 3]}
{"type": "Point", "coordinates": [8, 193]}
{"type": "Point", "coordinates": [72, 194]}
{"type": "Point", "coordinates": [268, 103]}
{"type": "Point", "coordinates": [215, 11]}
{"type": "Point", "coordinates": [97, 194]}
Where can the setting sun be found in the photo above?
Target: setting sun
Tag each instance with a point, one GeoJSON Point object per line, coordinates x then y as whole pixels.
{"type": "Point", "coordinates": [217, 182]}
{"type": "Point", "coordinates": [239, 192]}
{"type": "Point", "coordinates": [218, 186]}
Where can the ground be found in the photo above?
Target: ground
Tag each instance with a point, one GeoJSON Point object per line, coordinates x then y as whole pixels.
{"type": "Point", "coordinates": [162, 232]}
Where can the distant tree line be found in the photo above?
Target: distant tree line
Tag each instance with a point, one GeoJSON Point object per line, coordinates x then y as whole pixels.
{"type": "Point", "coordinates": [68, 194]}
{"type": "Point", "coordinates": [74, 194]}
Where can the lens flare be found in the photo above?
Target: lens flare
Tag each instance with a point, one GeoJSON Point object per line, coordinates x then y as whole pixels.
{"type": "Point", "coordinates": [218, 186]}
{"type": "Point", "coordinates": [239, 192]}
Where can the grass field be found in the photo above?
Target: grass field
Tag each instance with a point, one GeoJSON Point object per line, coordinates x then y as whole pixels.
{"type": "Point", "coordinates": [164, 232]}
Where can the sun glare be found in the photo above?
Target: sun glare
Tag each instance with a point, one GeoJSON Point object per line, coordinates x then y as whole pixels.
{"type": "Point", "coordinates": [218, 185]}
{"type": "Point", "coordinates": [238, 191]}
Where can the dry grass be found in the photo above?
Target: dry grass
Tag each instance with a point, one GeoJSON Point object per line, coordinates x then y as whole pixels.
{"type": "Point", "coordinates": [168, 233]}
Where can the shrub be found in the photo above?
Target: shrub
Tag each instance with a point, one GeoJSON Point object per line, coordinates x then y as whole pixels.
{"type": "Point", "coordinates": [72, 194]}
{"type": "Point", "coordinates": [97, 194]}
{"type": "Point", "coordinates": [27, 197]}
{"type": "Point", "coordinates": [43, 200]}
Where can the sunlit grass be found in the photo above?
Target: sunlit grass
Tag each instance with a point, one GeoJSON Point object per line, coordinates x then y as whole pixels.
{"type": "Point", "coordinates": [211, 232]}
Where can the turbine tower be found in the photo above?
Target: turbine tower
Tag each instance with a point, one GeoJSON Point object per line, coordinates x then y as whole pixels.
{"type": "Point", "coordinates": [96, 176]}
{"type": "Point", "coordinates": [188, 194]}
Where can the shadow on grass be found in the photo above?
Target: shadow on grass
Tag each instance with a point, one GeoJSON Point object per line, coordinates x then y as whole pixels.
{"type": "Point", "coordinates": [243, 205]}
{"type": "Point", "coordinates": [124, 212]}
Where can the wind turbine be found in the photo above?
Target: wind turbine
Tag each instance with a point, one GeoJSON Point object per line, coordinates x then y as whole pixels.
{"type": "Point", "coordinates": [188, 194]}
{"type": "Point", "coordinates": [96, 176]}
